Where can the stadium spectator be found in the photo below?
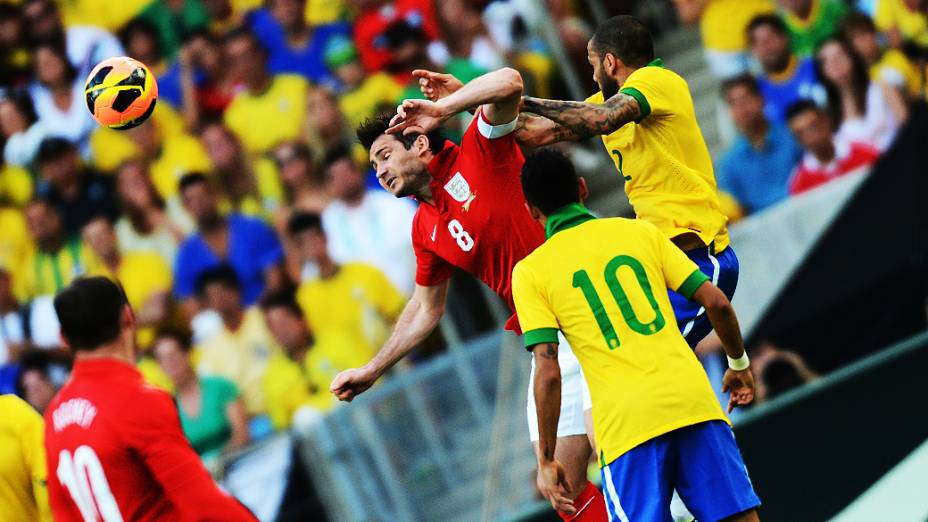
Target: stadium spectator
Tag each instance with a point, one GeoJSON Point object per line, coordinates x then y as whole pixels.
{"type": "Point", "coordinates": [243, 346]}
{"type": "Point", "coordinates": [212, 413]}
{"type": "Point", "coordinates": [785, 78]}
{"type": "Point", "coordinates": [269, 109]}
{"type": "Point", "coordinates": [826, 157]}
{"type": "Point", "coordinates": [147, 222]}
{"type": "Point", "coordinates": [248, 245]}
{"type": "Point", "coordinates": [367, 225]}
{"type": "Point", "coordinates": [206, 86]}
{"type": "Point", "coordinates": [466, 36]}
{"type": "Point", "coordinates": [36, 384]}
{"type": "Point", "coordinates": [350, 299]}
{"type": "Point", "coordinates": [14, 54]}
{"type": "Point", "coordinates": [903, 22]}
{"type": "Point", "coordinates": [723, 27]}
{"type": "Point", "coordinates": [251, 187]}
{"type": "Point", "coordinates": [56, 260]}
{"type": "Point", "coordinates": [861, 110]}
{"type": "Point", "coordinates": [888, 66]}
{"type": "Point", "coordinates": [361, 96]}
{"type": "Point", "coordinates": [79, 193]}
{"type": "Point", "coordinates": [293, 46]}
{"type": "Point", "coordinates": [86, 45]}
{"type": "Point", "coordinates": [144, 276]}
{"type": "Point", "coordinates": [15, 241]}
{"type": "Point", "coordinates": [23, 495]}
{"type": "Point", "coordinates": [58, 97]}
{"type": "Point", "coordinates": [778, 371]}
{"type": "Point", "coordinates": [21, 128]}
{"type": "Point", "coordinates": [325, 124]}
{"type": "Point", "coordinates": [141, 40]}
{"type": "Point", "coordinates": [173, 20]}
{"type": "Point", "coordinates": [811, 22]}
{"type": "Point", "coordinates": [303, 186]}
{"type": "Point", "coordinates": [756, 168]}
{"type": "Point", "coordinates": [375, 16]}
{"type": "Point", "coordinates": [297, 378]}
{"type": "Point", "coordinates": [12, 334]}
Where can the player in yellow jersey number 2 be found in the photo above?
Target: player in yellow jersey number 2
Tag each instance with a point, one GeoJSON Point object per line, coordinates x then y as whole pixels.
{"type": "Point", "coordinates": [659, 427]}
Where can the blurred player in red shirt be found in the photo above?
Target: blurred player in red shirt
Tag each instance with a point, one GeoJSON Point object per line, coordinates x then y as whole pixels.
{"type": "Point", "coordinates": [472, 215]}
{"type": "Point", "coordinates": [114, 443]}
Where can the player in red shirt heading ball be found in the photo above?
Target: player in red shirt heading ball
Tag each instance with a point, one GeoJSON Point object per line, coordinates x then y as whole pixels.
{"type": "Point", "coordinates": [114, 443]}
{"type": "Point", "coordinates": [472, 215]}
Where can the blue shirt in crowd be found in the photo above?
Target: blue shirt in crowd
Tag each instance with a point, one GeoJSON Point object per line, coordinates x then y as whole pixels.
{"type": "Point", "coordinates": [253, 248]}
{"type": "Point", "coordinates": [307, 61]}
{"type": "Point", "coordinates": [802, 85]}
{"type": "Point", "coordinates": [758, 178]}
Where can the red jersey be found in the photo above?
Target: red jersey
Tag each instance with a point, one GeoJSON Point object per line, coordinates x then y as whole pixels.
{"type": "Point", "coordinates": [478, 222]}
{"type": "Point", "coordinates": [849, 156]}
{"type": "Point", "coordinates": [115, 452]}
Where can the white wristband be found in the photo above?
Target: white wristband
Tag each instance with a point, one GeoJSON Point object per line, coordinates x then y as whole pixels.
{"type": "Point", "coordinates": [739, 364]}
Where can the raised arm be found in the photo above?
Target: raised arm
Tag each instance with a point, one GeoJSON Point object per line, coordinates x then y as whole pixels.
{"type": "Point", "coordinates": [738, 378]}
{"type": "Point", "coordinates": [584, 119]}
{"type": "Point", "coordinates": [498, 92]}
{"type": "Point", "coordinates": [417, 321]}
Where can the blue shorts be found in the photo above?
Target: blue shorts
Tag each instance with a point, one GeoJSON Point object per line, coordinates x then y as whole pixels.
{"type": "Point", "coordinates": [702, 462]}
{"type": "Point", "coordinates": [722, 269]}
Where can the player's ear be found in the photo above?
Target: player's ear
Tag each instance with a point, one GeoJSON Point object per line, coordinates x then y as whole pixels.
{"type": "Point", "coordinates": [583, 189]}
{"type": "Point", "coordinates": [611, 64]}
{"type": "Point", "coordinates": [127, 319]}
{"type": "Point", "coordinates": [422, 144]}
{"type": "Point", "coordinates": [534, 212]}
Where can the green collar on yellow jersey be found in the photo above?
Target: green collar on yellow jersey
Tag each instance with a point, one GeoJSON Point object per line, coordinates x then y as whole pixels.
{"type": "Point", "coordinates": [566, 217]}
{"type": "Point", "coordinates": [657, 62]}
{"type": "Point", "coordinates": [644, 108]}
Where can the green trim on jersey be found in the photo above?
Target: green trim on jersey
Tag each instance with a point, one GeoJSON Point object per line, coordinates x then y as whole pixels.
{"type": "Point", "coordinates": [540, 336]}
{"type": "Point", "coordinates": [692, 283]}
{"type": "Point", "coordinates": [568, 216]}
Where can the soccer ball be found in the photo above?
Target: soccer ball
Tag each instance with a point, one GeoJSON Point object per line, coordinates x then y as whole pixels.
{"type": "Point", "coordinates": [121, 93]}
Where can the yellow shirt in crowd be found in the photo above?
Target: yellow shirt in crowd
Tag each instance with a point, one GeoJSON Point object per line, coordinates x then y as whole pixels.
{"type": "Point", "coordinates": [895, 14]}
{"type": "Point", "coordinates": [142, 275]}
{"type": "Point", "coordinates": [23, 495]}
{"type": "Point", "coordinates": [15, 185]}
{"type": "Point", "coordinates": [263, 120]}
{"type": "Point", "coordinates": [15, 242]}
{"type": "Point", "coordinates": [724, 23]}
{"type": "Point", "coordinates": [377, 91]}
{"type": "Point", "coordinates": [894, 67]}
{"type": "Point", "coordinates": [609, 299]}
{"type": "Point", "coordinates": [43, 273]}
{"type": "Point", "coordinates": [241, 357]}
{"type": "Point", "coordinates": [358, 300]}
{"type": "Point", "coordinates": [663, 157]}
{"type": "Point", "coordinates": [290, 385]}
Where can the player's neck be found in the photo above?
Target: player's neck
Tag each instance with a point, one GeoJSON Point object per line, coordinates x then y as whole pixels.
{"type": "Point", "coordinates": [115, 350]}
{"type": "Point", "coordinates": [327, 268]}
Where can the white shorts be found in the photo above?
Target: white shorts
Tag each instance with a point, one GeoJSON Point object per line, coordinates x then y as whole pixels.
{"type": "Point", "coordinates": [575, 396]}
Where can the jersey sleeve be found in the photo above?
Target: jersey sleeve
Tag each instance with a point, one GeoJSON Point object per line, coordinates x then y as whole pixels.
{"type": "Point", "coordinates": [494, 145]}
{"type": "Point", "coordinates": [152, 429]}
{"type": "Point", "coordinates": [651, 88]}
{"type": "Point", "coordinates": [680, 272]}
{"type": "Point", "coordinates": [537, 319]}
{"type": "Point", "coordinates": [431, 269]}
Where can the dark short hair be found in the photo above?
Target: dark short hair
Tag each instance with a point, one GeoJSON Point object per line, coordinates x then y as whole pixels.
{"type": "Point", "coordinates": [23, 102]}
{"type": "Point", "coordinates": [181, 337]}
{"type": "Point", "coordinates": [51, 149]}
{"type": "Point", "coordinates": [549, 180]}
{"type": "Point", "coordinates": [245, 32]}
{"type": "Point", "coordinates": [190, 179]}
{"type": "Point", "coordinates": [281, 299]}
{"type": "Point", "coordinates": [627, 38]}
{"type": "Point", "coordinates": [223, 274]}
{"type": "Point", "coordinates": [336, 154]}
{"type": "Point", "coordinates": [373, 128]}
{"type": "Point", "coordinates": [770, 20]}
{"type": "Point", "coordinates": [33, 360]}
{"type": "Point", "coordinates": [140, 25]}
{"type": "Point", "coordinates": [89, 311]}
{"type": "Point", "coordinates": [303, 221]}
{"type": "Point", "coordinates": [743, 80]}
{"type": "Point", "coordinates": [402, 32]}
{"type": "Point", "coordinates": [800, 106]}
{"type": "Point", "coordinates": [856, 23]}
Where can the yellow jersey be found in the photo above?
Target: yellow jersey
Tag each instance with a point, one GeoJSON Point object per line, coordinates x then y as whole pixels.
{"type": "Point", "coordinates": [23, 495]}
{"type": "Point", "coordinates": [723, 24]}
{"type": "Point", "coordinates": [609, 299]}
{"type": "Point", "coordinates": [15, 185]}
{"type": "Point", "coordinates": [664, 159]}
{"type": "Point", "coordinates": [43, 273]}
{"type": "Point", "coordinates": [15, 241]}
{"type": "Point", "coordinates": [912, 24]}
{"type": "Point", "coordinates": [358, 300]}
{"type": "Point", "coordinates": [378, 91]}
{"type": "Point", "coordinates": [263, 120]}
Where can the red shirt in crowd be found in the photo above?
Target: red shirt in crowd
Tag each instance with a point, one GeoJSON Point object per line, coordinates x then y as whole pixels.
{"type": "Point", "coordinates": [849, 156]}
{"type": "Point", "coordinates": [370, 25]}
{"type": "Point", "coordinates": [479, 222]}
{"type": "Point", "coordinates": [116, 452]}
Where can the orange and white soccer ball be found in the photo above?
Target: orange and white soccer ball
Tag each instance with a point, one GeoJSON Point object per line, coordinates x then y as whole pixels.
{"type": "Point", "coordinates": [121, 92]}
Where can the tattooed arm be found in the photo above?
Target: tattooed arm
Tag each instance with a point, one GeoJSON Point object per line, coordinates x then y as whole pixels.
{"type": "Point", "coordinates": [583, 119]}
{"type": "Point", "coordinates": [537, 131]}
{"type": "Point", "coordinates": [551, 480]}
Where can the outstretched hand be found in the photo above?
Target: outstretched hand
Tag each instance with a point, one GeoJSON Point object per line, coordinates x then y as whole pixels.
{"type": "Point", "coordinates": [436, 86]}
{"type": "Point", "coordinates": [350, 383]}
{"type": "Point", "coordinates": [417, 116]}
{"type": "Point", "coordinates": [741, 386]}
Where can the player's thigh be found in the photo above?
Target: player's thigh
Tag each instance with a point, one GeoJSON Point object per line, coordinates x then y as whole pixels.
{"type": "Point", "coordinates": [710, 475]}
{"type": "Point", "coordinates": [570, 421]}
{"type": "Point", "coordinates": [638, 484]}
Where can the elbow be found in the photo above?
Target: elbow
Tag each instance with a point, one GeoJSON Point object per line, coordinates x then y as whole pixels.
{"type": "Point", "coordinates": [512, 80]}
{"type": "Point", "coordinates": [718, 304]}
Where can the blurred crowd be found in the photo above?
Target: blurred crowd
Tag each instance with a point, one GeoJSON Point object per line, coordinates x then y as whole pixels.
{"type": "Point", "coordinates": [259, 255]}
{"type": "Point", "coordinates": [815, 89]}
